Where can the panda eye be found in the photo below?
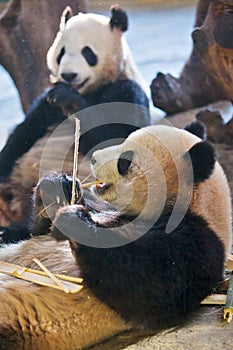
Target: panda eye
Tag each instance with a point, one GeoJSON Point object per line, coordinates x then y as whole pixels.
{"type": "Point", "coordinates": [59, 56]}
{"type": "Point", "coordinates": [89, 56]}
{"type": "Point", "coordinates": [124, 162]}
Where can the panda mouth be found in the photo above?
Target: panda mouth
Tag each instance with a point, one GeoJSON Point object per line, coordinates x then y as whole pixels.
{"type": "Point", "coordinates": [81, 85]}
{"type": "Point", "coordinates": [102, 188]}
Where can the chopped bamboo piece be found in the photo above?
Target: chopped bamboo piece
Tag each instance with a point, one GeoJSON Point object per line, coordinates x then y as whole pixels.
{"type": "Point", "coordinates": [214, 299]}
{"type": "Point", "coordinates": [40, 277]}
{"type": "Point", "coordinates": [49, 274]}
{"type": "Point", "coordinates": [229, 264]}
{"type": "Point", "coordinates": [89, 184]}
{"type": "Point", "coordinates": [75, 165]}
{"type": "Point", "coordinates": [228, 309]}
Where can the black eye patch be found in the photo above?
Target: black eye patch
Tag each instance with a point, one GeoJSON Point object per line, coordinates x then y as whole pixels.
{"type": "Point", "coordinates": [124, 162]}
{"type": "Point", "coordinates": [89, 56]}
{"type": "Point", "coordinates": [60, 55]}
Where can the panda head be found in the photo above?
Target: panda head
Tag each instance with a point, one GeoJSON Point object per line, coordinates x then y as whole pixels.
{"type": "Point", "coordinates": [151, 169]}
{"type": "Point", "coordinates": [88, 50]}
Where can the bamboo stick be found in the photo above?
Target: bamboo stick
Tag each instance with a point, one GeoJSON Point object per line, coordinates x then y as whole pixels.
{"type": "Point", "coordinates": [40, 277]}
{"type": "Point", "coordinates": [98, 182]}
{"type": "Point", "coordinates": [75, 165]}
{"type": "Point", "coordinates": [229, 263]}
{"type": "Point", "coordinates": [214, 299]}
{"type": "Point", "coordinates": [49, 274]}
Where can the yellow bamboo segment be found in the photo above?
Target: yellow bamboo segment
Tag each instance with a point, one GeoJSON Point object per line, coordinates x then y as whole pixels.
{"type": "Point", "coordinates": [214, 299]}
{"type": "Point", "coordinates": [89, 184]}
{"type": "Point", "coordinates": [51, 275]}
{"type": "Point", "coordinates": [229, 264]}
{"type": "Point", "coordinates": [40, 277]}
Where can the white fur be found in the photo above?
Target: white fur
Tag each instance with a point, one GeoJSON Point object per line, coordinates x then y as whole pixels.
{"type": "Point", "coordinates": [114, 57]}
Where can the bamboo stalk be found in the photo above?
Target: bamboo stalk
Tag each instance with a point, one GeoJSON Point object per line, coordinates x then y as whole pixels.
{"type": "Point", "coordinates": [229, 264]}
{"type": "Point", "coordinates": [75, 165]}
{"type": "Point", "coordinates": [214, 299]}
{"type": "Point", "coordinates": [98, 182]}
{"type": "Point", "coordinates": [4, 264]}
{"type": "Point", "coordinates": [40, 277]}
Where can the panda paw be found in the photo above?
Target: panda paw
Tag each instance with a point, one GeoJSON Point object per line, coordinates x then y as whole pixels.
{"type": "Point", "coordinates": [52, 192]}
{"type": "Point", "coordinates": [66, 97]}
{"type": "Point", "coordinates": [70, 221]}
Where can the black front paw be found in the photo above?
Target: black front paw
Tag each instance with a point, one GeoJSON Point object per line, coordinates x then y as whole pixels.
{"type": "Point", "coordinates": [66, 97]}
{"type": "Point", "coordinates": [52, 192]}
{"type": "Point", "coordinates": [71, 222]}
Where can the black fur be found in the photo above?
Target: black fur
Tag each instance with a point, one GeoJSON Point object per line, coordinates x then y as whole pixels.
{"type": "Point", "coordinates": [60, 55]}
{"type": "Point", "coordinates": [155, 280]}
{"type": "Point", "coordinates": [15, 232]}
{"type": "Point", "coordinates": [197, 128]}
{"type": "Point", "coordinates": [203, 159]}
{"type": "Point", "coordinates": [119, 18]}
{"type": "Point", "coordinates": [68, 15]}
{"type": "Point", "coordinates": [54, 188]}
{"type": "Point", "coordinates": [89, 56]}
{"type": "Point", "coordinates": [124, 162]}
{"type": "Point", "coordinates": [159, 278]}
{"type": "Point", "coordinates": [223, 30]}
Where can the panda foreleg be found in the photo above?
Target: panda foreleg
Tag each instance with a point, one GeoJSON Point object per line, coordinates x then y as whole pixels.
{"type": "Point", "coordinates": [52, 192]}
{"type": "Point", "coordinates": [15, 232]}
{"type": "Point", "coordinates": [40, 116]}
{"type": "Point", "coordinates": [126, 91]}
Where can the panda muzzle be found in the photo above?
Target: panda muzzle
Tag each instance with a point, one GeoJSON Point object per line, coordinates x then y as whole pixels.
{"type": "Point", "coordinates": [102, 187]}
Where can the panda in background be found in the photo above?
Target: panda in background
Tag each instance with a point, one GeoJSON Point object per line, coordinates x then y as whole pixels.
{"type": "Point", "coordinates": [90, 64]}
{"type": "Point", "coordinates": [148, 275]}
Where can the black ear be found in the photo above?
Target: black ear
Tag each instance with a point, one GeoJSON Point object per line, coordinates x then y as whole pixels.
{"type": "Point", "coordinates": [197, 128]}
{"type": "Point", "coordinates": [203, 158]}
{"type": "Point", "coordinates": [66, 14]}
{"type": "Point", "coordinates": [119, 18]}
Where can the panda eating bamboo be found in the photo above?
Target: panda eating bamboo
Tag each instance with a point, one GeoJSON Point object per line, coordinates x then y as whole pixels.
{"type": "Point", "coordinates": [150, 243]}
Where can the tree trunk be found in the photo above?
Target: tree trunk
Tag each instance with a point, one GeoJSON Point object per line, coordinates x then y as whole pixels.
{"type": "Point", "coordinates": [208, 74]}
{"type": "Point", "coordinates": [27, 29]}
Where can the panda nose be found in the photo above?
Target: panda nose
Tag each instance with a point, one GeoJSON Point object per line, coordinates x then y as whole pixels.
{"type": "Point", "coordinates": [69, 76]}
{"type": "Point", "coordinates": [93, 160]}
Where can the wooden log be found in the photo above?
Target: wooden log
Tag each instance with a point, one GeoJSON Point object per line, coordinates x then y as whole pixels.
{"type": "Point", "coordinates": [208, 74]}
{"type": "Point", "coordinates": [27, 29]}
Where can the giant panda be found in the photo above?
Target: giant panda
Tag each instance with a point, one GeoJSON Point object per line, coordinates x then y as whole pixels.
{"type": "Point", "coordinates": [90, 64]}
{"type": "Point", "coordinates": [139, 271]}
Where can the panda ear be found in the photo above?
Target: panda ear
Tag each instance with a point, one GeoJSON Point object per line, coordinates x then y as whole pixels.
{"type": "Point", "coordinates": [203, 158]}
{"type": "Point", "coordinates": [119, 18]}
{"type": "Point", "coordinates": [66, 14]}
{"type": "Point", "coordinates": [197, 128]}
